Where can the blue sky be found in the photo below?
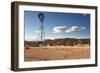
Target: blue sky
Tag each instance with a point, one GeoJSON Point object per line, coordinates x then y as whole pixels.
{"type": "Point", "coordinates": [57, 25]}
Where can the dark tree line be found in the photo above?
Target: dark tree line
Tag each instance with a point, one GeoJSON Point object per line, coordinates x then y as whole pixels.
{"type": "Point", "coordinates": [58, 42]}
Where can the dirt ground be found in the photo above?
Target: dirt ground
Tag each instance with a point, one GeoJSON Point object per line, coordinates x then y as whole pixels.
{"type": "Point", "coordinates": [56, 53]}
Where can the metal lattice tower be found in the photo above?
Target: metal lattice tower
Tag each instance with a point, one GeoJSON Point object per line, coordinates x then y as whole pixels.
{"type": "Point", "coordinates": [41, 29]}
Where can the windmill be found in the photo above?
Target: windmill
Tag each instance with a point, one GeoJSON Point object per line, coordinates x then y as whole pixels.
{"type": "Point", "coordinates": [41, 29]}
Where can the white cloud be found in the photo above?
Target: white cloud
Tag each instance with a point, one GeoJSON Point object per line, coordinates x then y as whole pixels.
{"type": "Point", "coordinates": [59, 29]}
{"type": "Point", "coordinates": [75, 29]}
{"type": "Point", "coordinates": [31, 38]}
{"type": "Point", "coordinates": [54, 37]}
{"type": "Point", "coordinates": [36, 31]}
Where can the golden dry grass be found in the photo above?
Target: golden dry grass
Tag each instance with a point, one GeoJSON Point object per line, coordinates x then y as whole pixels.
{"type": "Point", "coordinates": [56, 53]}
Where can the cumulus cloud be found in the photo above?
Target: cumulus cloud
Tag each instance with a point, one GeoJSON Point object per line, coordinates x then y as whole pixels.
{"type": "Point", "coordinates": [54, 37]}
{"type": "Point", "coordinates": [75, 29]}
{"type": "Point", "coordinates": [60, 29]}
{"type": "Point", "coordinates": [36, 31]}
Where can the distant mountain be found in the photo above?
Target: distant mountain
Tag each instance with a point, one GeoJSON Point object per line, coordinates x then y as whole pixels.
{"type": "Point", "coordinates": [59, 41]}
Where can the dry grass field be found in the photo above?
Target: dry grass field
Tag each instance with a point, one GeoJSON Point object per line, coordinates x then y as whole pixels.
{"type": "Point", "coordinates": [56, 53]}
